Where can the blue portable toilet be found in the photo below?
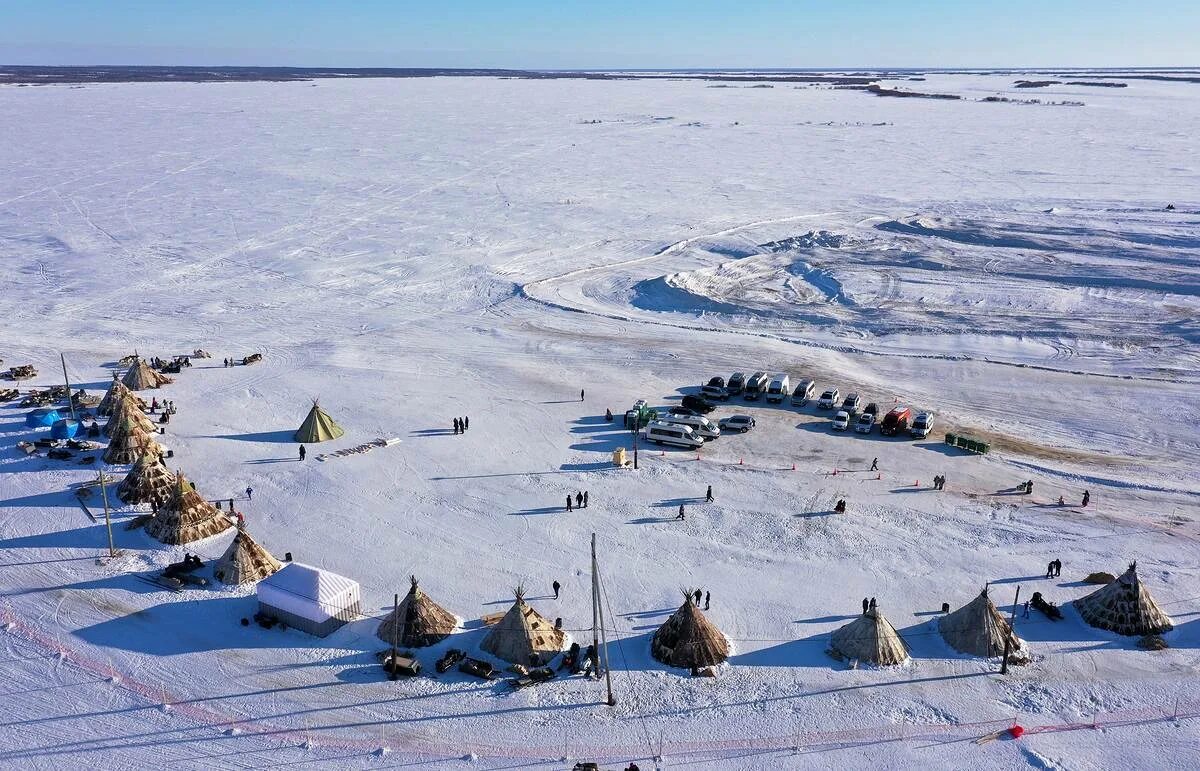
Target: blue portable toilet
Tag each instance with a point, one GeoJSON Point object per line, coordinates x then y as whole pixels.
{"type": "Point", "coordinates": [43, 417]}
{"type": "Point", "coordinates": [65, 428]}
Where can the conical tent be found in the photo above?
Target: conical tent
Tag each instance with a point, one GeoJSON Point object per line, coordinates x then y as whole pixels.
{"type": "Point", "coordinates": [688, 639]}
{"type": "Point", "coordinates": [979, 629]}
{"type": "Point", "coordinates": [127, 410]}
{"type": "Point", "coordinates": [186, 517]}
{"type": "Point", "coordinates": [245, 561]}
{"type": "Point", "coordinates": [149, 481]}
{"type": "Point", "coordinates": [871, 638]}
{"type": "Point", "coordinates": [1125, 607]}
{"type": "Point", "coordinates": [523, 636]}
{"type": "Point", "coordinates": [142, 376]}
{"type": "Point", "coordinates": [318, 426]}
{"type": "Point", "coordinates": [418, 621]}
{"type": "Point", "coordinates": [115, 393]}
{"type": "Point", "coordinates": [128, 443]}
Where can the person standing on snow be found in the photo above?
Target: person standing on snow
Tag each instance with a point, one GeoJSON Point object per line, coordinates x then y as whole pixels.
{"type": "Point", "coordinates": [875, 464]}
{"type": "Point", "coordinates": [250, 493]}
{"type": "Point", "coordinates": [680, 512]}
{"type": "Point", "coordinates": [569, 502]}
{"type": "Point", "coordinates": [556, 586]}
{"type": "Point", "coordinates": [708, 496]}
{"type": "Point", "coordinates": [303, 452]}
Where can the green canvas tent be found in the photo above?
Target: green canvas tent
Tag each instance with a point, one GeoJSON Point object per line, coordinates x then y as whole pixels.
{"type": "Point", "coordinates": [318, 427]}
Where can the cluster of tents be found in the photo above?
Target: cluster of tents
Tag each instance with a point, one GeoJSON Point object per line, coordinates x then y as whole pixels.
{"type": "Point", "coordinates": [181, 514]}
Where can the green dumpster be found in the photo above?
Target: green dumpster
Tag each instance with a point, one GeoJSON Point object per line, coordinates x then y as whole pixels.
{"type": "Point", "coordinates": [961, 442]}
{"type": "Point", "coordinates": [950, 438]}
{"type": "Point", "coordinates": [984, 447]}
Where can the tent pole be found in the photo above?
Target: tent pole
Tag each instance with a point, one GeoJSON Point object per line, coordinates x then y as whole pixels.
{"type": "Point", "coordinates": [595, 611]}
{"type": "Point", "coordinates": [396, 617]}
{"type": "Point", "coordinates": [67, 380]}
{"type": "Point", "coordinates": [112, 552]}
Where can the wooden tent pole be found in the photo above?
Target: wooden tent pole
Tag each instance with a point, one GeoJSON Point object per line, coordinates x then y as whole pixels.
{"type": "Point", "coordinates": [395, 630]}
{"type": "Point", "coordinates": [67, 380]}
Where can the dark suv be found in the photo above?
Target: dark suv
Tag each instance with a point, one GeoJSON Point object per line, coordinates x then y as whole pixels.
{"type": "Point", "coordinates": [699, 404]}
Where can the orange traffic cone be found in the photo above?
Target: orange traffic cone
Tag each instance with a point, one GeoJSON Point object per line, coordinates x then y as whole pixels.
{"type": "Point", "coordinates": [697, 456]}
{"type": "Point", "coordinates": [879, 476]}
{"type": "Point", "coordinates": [793, 467]}
{"type": "Point", "coordinates": [835, 472]}
{"type": "Point", "coordinates": [917, 483]}
{"type": "Point", "coordinates": [741, 462]}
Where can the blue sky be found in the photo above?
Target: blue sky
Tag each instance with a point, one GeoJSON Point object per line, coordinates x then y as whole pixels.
{"type": "Point", "coordinates": [567, 33]}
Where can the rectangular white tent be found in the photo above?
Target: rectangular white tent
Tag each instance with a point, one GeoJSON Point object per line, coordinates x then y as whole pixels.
{"type": "Point", "coordinates": [308, 598]}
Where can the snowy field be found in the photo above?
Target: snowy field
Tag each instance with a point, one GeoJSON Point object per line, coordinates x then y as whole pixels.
{"type": "Point", "coordinates": [415, 250]}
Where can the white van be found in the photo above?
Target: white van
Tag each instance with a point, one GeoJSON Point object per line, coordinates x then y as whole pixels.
{"type": "Point", "coordinates": [804, 391]}
{"type": "Point", "coordinates": [779, 389]}
{"type": "Point", "coordinates": [922, 425]}
{"type": "Point", "coordinates": [660, 432]}
{"type": "Point", "coordinates": [700, 425]}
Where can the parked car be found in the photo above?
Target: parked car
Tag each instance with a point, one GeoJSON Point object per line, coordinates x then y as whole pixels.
{"type": "Point", "coordinates": [741, 423]}
{"type": "Point", "coordinates": [736, 384]}
{"type": "Point", "coordinates": [699, 404]}
{"type": "Point", "coordinates": [711, 391]}
{"type": "Point", "coordinates": [852, 403]}
{"type": "Point", "coordinates": [641, 417]}
{"type": "Point", "coordinates": [778, 389]}
{"type": "Point", "coordinates": [873, 408]}
{"type": "Point", "coordinates": [829, 399]}
{"type": "Point", "coordinates": [699, 424]}
{"type": "Point", "coordinates": [841, 421]}
{"type": "Point", "coordinates": [677, 410]}
{"type": "Point", "coordinates": [659, 432]}
{"type": "Point", "coordinates": [865, 423]}
{"type": "Point", "coordinates": [804, 391]}
{"type": "Point", "coordinates": [755, 386]}
{"type": "Point", "coordinates": [895, 421]}
{"type": "Point", "coordinates": [717, 381]}
{"type": "Point", "coordinates": [922, 425]}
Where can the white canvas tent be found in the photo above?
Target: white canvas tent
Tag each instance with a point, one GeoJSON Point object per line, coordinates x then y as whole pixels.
{"type": "Point", "coordinates": [308, 598]}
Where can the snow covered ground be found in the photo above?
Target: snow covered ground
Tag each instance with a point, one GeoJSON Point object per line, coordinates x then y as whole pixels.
{"type": "Point", "coordinates": [414, 250]}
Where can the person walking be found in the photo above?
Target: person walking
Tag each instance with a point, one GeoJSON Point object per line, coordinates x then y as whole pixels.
{"type": "Point", "coordinates": [249, 493]}
{"type": "Point", "coordinates": [303, 452]}
{"type": "Point", "coordinates": [466, 423]}
{"type": "Point", "coordinates": [580, 394]}
{"type": "Point", "coordinates": [1049, 570]}
{"type": "Point", "coordinates": [1026, 614]}
{"type": "Point", "coordinates": [680, 512]}
{"type": "Point", "coordinates": [708, 496]}
{"type": "Point", "coordinates": [585, 499]}
{"type": "Point", "coordinates": [866, 604]}
{"type": "Point", "coordinates": [875, 464]}
{"type": "Point", "coordinates": [578, 500]}
{"type": "Point", "coordinates": [569, 502]}
{"type": "Point", "coordinates": [707, 599]}
{"type": "Point", "coordinates": [1087, 497]}
{"type": "Point", "coordinates": [696, 597]}
{"type": "Point", "coordinates": [556, 586]}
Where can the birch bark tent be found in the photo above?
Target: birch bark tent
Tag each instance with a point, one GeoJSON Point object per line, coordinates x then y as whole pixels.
{"type": "Point", "coordinates": [186, 517]}
{"type": "Point", "coordinates": [141, 376]}
{"type": "Point", "coordinates": [149, 481]}
{"type": "Point", "coordinates": [1125, 607]}
{"type": "Point", "coordinates": [979, 629]}
{"type": "Point", "coordinates": [317, 427]}
{"type": "Point", "coordinates": [688, 639]}
{"type": "Point", "coordinates": [417, 622]}
{"type": "Point", "coordinates": [127, 410]}
{"type": "Point", "coordinates": [128, 443]}
{"type": "Point", "coordinates": [245, 561]}
{"type": "Point", "coordinates": [870, 637]}
{"type": "Point", "coordinates": [522, 633]}
{"type": "Point", "coordinates": [116, 392]}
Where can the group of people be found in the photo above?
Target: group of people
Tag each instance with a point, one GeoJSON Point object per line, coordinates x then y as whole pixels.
{"type": "Point", "coordinates": [868, 604]}
{"type": "Point", "coordinates": [580, 501]}
{"type": "Point", "coordinates": [230, 362]}
{"type": "Point", "coordinates": [1054, 568]}
{"type": "Point", "coordinates": [707, 598]}
{"type": "Point", "coordinates": [939, 482]}
{"type": "Point", "coordinates": [461, 425]}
